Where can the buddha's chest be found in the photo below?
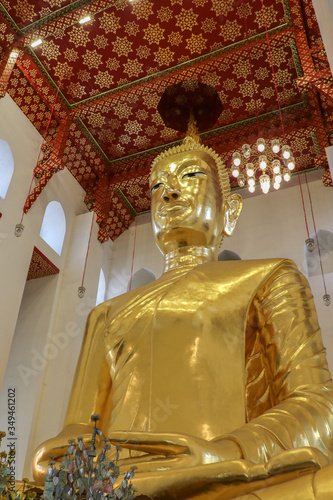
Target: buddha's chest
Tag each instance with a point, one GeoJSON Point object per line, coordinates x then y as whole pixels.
{"type": "Point", "coordinates": [189, 315]}
{"type": "Point", "coordinates": [180, 345]}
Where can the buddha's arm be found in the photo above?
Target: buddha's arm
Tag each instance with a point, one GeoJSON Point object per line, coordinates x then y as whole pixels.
{"type": "Point", "coordinates": [296, 382]}
{"type": "Point", "coordinates": [295, 370]}
{"type": "Point", "coordinates": [91, 393]}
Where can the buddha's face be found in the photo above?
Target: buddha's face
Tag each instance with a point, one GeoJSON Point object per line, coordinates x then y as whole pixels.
{"type": "Point", "coordinates": [186, 201]}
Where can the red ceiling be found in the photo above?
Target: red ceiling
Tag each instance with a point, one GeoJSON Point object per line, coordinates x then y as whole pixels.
{"type": "Point", "coordinates": [116, 67]}
{"type": "Point", "coordinates": [40, 266]}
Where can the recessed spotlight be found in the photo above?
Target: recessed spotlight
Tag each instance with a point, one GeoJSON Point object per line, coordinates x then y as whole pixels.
{"type": "Point", "coordinates": [85, 19]}
{"type": "Point", "coordinates": [36, 43]}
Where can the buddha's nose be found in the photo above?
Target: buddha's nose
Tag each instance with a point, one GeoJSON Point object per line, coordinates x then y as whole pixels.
{"type": "Point", "coordinates": [170, 196]}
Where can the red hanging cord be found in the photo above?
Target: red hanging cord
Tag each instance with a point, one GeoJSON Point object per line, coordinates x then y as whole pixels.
{"type": "Point", "coordinates": [251, 69]}
{"type": "Point", "coordinates": [130, 283]}
{"type": "Point", "coordinates": [314, 225]}
{"type": "Point", "coordinates": [301, 189]}
{"type": "Point", "coordinates": [282, 126]}
{"type": "Point", "coordinates": [271, 59]}
{"type": "Point", "coordinates": [85, 264]}
{"type": "Point", "coordinates": [40, 150]}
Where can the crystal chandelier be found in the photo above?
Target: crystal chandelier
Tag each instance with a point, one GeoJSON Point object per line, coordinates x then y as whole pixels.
{"type": "Point", "coordinates": [263, 165]}
{"type": "Point", "coordinates": [278, 166]}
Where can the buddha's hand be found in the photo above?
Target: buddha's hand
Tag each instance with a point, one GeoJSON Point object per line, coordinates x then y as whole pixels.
{"type": "Point", "coordinates": [55, 448]}
{"type": "Point", "coordinates": [175, 451]}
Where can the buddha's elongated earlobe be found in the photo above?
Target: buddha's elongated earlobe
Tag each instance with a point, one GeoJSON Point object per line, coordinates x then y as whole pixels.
{"type": "Point", "coordinates": [233, 208]}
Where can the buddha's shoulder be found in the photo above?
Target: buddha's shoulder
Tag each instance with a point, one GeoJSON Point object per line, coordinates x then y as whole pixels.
{"type": "Point", "coordinates": [100, 310]}
{"type": "Point", "coordinates": [270, 263]}
{"type": "Point", "coordinates": [240, 267]}
{"type": "Point", "coordinates": [260, 268]}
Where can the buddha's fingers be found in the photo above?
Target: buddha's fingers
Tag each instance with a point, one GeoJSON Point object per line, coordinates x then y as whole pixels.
{"type": "Point", "coordinates": [151, 464]}
{"type": "Point", "coordinates": [154, 443]}
{"type": "Point", "coordinates": [163, 481]}
{"type": "Point", "coordinates": [305, 458]}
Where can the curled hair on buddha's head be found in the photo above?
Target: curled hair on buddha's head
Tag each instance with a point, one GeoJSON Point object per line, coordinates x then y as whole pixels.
{"type": "Point", "coordinates": [191, 143]}
{"type": "Point", "coordinates": [232, 202]}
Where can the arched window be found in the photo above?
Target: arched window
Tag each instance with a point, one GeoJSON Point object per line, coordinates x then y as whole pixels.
{"type": "Point", "coordinates": [228, 255]}
{"type": "Point", "coordinates": [101, 288]}
{"type": "Point", "coordinates": [142, 277]}
{"type": "Point", "coordinates": [6, 167]}
{"type": "Point", "coordinates": [53, 228]}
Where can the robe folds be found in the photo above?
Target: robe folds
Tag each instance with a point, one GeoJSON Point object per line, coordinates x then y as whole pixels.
{"type": "Point", "coordinates": [223, 350]}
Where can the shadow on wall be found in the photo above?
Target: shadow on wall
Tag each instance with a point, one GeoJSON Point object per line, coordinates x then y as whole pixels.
{"type": "Point", "coordinates": [228, 255]}
{"type": "Point", "coordinates": [142, 277]}
{"type": "Point", "coordinates": [312, 261]}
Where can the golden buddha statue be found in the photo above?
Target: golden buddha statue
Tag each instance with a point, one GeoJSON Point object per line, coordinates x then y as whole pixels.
{"type": "Point", "coordinates": [213, 379]}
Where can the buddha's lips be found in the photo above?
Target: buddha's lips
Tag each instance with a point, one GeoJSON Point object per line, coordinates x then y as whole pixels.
{"type": "Point", "coordinates": [174, 207]}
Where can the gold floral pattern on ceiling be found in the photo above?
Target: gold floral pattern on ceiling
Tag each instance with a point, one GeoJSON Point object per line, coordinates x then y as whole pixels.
{"type": "Point", "coordinates": [40, 266]}
{"type": "Point", "coordinates": [116, 67]}
{"type": "Point", "coordinates": [118, 32]}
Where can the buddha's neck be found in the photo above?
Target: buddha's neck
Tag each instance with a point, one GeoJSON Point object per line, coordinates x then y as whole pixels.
{"type": "Point", "coordinates": [189, 256]}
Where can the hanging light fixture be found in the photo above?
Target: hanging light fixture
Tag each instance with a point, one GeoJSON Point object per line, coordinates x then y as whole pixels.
{"type": "Point", "coordinates": [241, 180]}
{"type": "Point", "coordinates": [256, 161]}
{"type": "Point", "coordinates": [81, 291]}
{"type": "Point", "coordinates": [265, 183]}
{"type": "Point", "coordinates": [327, 299]}
{"type": "Point", "coordinates": [257, 158]}
{"type": "Point", "coordinates": [310, 244]}
{"type": "Point", "coordinates": [19, 228]}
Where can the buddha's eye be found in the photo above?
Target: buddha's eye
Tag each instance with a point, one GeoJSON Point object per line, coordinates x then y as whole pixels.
{"type": "Point", "coordinates": [193, 174]}
{"type": "Point", "coordinates": [159, 184]}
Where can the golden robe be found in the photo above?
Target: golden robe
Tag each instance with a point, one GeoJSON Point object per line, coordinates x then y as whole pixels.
{"type": "Point", "coordinates": [221, 350]}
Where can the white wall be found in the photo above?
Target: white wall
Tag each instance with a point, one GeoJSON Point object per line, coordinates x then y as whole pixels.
{"type": "Point", "coordinates": [42, 320]}
{"type": "Point", "coordinates": [65, 336]}
{"type": "Point", "coordinates": [24, 371]}
{"type": "Point", "coordinates": [146, 255]}
{"type": "Point", "coordinates": [25, 141]}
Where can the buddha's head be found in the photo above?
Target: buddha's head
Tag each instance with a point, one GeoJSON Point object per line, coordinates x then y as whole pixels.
{"type": "Point", "coordinates": [191, 202]}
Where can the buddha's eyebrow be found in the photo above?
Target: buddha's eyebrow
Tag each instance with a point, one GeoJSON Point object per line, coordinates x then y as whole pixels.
{"type": "Point", "coordinates": [193, 162]}
{"type": "Point", "coordinates": [190, 163]}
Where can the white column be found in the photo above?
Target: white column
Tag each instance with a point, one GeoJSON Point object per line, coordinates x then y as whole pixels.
{"type": "Point", "coordinates": [64, 339]}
